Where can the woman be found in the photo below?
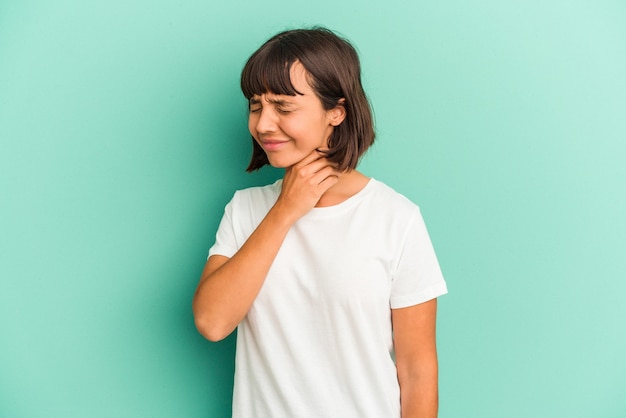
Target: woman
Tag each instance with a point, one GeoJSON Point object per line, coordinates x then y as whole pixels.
{"type": "Point", "coordinates": [328, 275]}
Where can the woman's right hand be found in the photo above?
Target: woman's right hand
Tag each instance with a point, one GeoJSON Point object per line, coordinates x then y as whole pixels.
{"type": "Point", "coordinates": [228, 286]}
{"type": "Point", "coordinates": [305, 182]}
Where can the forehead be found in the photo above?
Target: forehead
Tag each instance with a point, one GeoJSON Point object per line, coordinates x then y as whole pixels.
{"type": "Point", "coordinates": [298, 77]}
{"type": "Point", "coordinates": [277, 77]}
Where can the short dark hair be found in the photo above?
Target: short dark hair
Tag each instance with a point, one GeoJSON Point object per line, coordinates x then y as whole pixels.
{"type": "Point", "coordinates": [334, 73]}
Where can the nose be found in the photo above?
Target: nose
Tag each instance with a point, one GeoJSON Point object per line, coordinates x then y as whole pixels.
{"type": "Point", "coordinates": [266, 121]}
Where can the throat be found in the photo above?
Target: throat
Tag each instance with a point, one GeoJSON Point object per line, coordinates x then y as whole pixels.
{"type": "Point", "coordinates": [349, 184]}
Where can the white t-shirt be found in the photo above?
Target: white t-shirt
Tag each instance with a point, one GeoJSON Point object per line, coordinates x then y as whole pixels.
{"type": "Point", "coordinates": [317, 341]}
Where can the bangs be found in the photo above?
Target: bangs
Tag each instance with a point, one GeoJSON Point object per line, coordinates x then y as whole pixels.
{"type": "Point", "coordinates": [268, 71]}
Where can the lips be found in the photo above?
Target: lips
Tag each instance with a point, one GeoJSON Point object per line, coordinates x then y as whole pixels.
{"type": "Point", "coordinates": [272, 144]}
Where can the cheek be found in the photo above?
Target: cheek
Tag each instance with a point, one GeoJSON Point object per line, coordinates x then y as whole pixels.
{"type": "Point", "coordinates": [304, 128]}
{"type": "Point", "coordinates": [252, 125]}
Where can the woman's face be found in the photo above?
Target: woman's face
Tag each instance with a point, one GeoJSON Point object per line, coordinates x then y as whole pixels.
{"type": "Point", "coordinates": [289, 128]}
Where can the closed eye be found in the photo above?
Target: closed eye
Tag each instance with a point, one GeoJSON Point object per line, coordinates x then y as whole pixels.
{"type": "Point", "coordinates": [254, 105]}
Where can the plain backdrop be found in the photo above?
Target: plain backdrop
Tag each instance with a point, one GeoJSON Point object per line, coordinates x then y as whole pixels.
{"type": "Point", "coordinates": [123, 135]}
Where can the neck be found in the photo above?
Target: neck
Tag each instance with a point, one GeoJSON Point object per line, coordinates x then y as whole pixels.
{"type": "Point", "coordinates": [349, 184]}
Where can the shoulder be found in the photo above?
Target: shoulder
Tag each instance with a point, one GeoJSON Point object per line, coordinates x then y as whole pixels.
{"type": "Point", "coordinates": [259, 192]}
{"type": "Point", "coordinates": [387, 199]}
{"type": "Point", "coordinates": [257, 197]}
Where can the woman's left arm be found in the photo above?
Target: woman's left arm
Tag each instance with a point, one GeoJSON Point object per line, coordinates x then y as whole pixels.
{"type": "Point", "coordinates": [416, 359]}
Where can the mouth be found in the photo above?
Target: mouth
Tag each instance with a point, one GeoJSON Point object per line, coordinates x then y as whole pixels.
{"type": "Point", "coordinates": [272, 145]}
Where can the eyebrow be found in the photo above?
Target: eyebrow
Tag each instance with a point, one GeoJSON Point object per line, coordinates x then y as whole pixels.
{"type": "Point", "coordinates": [278, 102]}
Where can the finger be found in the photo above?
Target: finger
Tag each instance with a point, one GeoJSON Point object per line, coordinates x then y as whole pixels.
{"type": "Point", "coordinates": [310, 170]}
{"type": "Point", "coordinates": [320, 163]}
{"type": "Point", "coordinates": [328, 182]}
{"type": "Point", "coordinates": [313, 156]}
{"type": "Point", "coordinates": [324, 173]}
{"type": "Point", "coordinates": [311, 164]}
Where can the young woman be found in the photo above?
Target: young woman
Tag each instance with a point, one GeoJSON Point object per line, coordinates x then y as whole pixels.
{"type": "Point", "coordinates": [328, 275]}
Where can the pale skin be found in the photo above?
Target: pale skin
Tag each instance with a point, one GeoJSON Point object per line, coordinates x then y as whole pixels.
{"type": "Point", "coordinates": [292, 130]}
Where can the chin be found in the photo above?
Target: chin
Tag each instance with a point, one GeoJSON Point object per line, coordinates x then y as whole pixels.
{"type": "Point", "coordinates": [281, 162]}
{"type": "Point", "coordinates": [274, 165]}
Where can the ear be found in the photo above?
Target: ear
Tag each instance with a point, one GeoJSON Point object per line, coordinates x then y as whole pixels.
{"type": "Point", "coordinates": [337, 114]}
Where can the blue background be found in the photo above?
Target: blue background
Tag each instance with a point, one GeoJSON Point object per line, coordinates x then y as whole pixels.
{"type": "Point", "coordinates": [123, 134]}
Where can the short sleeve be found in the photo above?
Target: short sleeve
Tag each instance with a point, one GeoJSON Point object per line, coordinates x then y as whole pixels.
{"type": "Point", "coordinates": [225, 238]}
{"type": "Point", "coordinates": [417, 277]}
